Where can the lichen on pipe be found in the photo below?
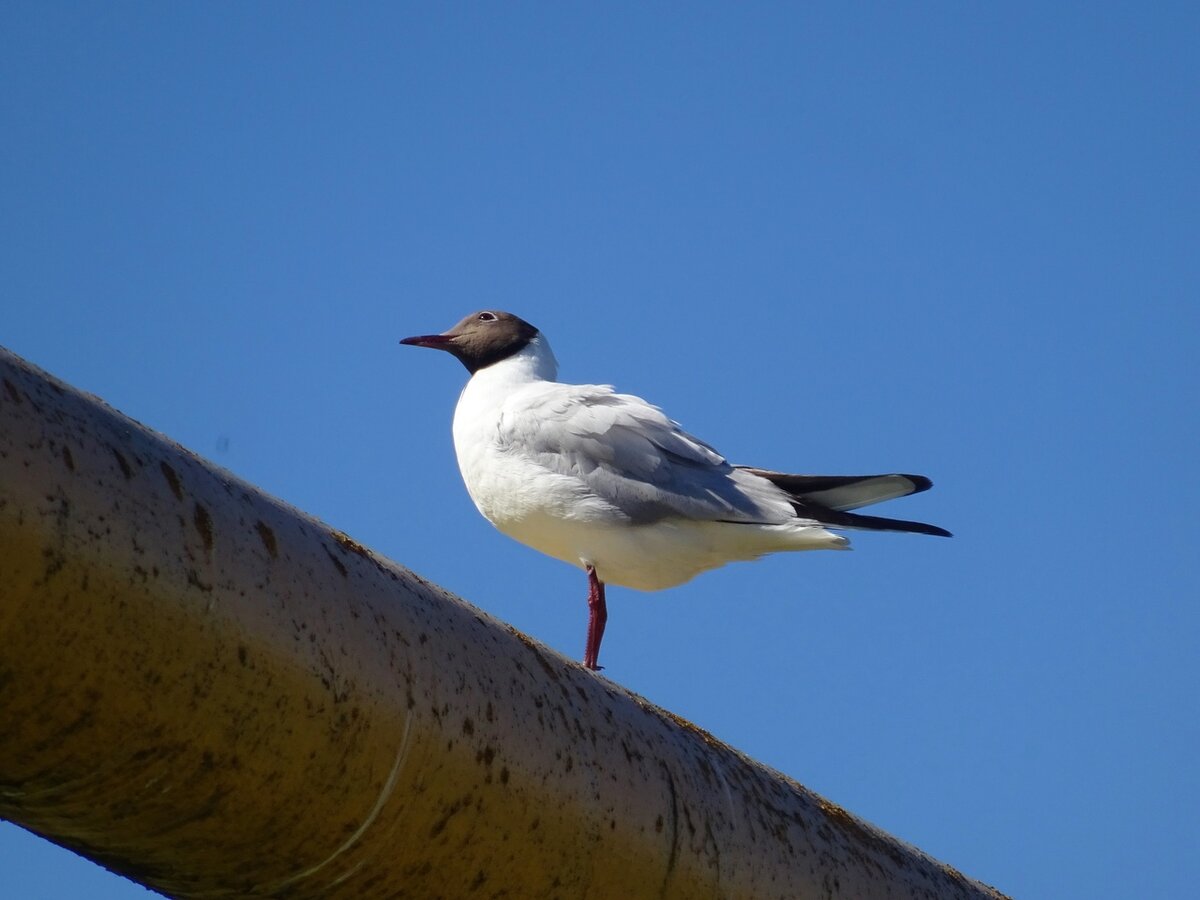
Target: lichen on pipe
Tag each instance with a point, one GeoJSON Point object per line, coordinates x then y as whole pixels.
{"type": "Point", "coordinates": [219, 696]}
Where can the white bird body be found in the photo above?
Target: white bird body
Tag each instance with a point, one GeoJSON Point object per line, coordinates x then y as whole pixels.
{"type": "Point", "coordinates": [607, 482]}
{"type": "Point", "coordinates": [546, 502]}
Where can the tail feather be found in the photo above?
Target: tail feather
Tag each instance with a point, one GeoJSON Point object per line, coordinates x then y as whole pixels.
{"type": "Point", "coordinates": [827, 498]}
{"type": "Point", "coordinates": [845, 491]}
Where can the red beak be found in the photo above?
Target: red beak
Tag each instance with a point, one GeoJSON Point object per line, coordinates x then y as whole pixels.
{"type": "Point", "coordinates": [436, 341]}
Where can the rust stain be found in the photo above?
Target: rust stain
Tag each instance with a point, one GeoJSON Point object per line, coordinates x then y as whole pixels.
{"type": "Point", "coordinates": [350, 544]}
{"type": "Point", "coordinates": [683, 724]}
{"type": "Point", "coordinates": [861, 834]}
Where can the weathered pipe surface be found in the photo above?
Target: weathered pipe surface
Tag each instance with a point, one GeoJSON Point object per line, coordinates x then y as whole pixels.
{"type": "Point", "coordinates": [219, 696]}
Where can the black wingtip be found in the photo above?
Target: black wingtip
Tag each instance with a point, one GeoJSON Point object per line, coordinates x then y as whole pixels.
{"type": "Point", "coordinates": [838, 518]}
{"type": "Point", "coordinates": [879, 523]}
{"type": "Point", "coordinates": [920, 482]}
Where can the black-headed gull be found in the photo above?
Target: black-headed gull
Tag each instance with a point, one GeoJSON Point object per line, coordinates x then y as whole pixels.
{"type": "Point", "coordinates": [607, 482]}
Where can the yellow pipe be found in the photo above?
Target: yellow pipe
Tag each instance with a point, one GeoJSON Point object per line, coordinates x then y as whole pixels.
{"type": "Point", "coordinates": [219, 696]}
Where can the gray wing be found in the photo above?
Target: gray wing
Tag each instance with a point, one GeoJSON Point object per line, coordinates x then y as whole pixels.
{"type": "Point", "coordinates": [629, 454]}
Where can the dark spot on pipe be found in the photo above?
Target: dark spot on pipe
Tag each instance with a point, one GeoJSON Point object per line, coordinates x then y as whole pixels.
{"type": "Point", "coordinates": [338, 564]}
{"type": "Point", "coordinates": [203, 523]}
{"type": "Point", "coordinates": [658, 824]}
{"type": "Point", "coordinates": [267, 536]}
{"type": "Point", "coordinates": [859, 833]}
{"type": "Point", "coordinates": [55, 562]}
{"type": "Point", "coordinates": [691, 826]}
{"type": "Point", "coordinates": [674, 856]}
{"type": "Point", "coordinates": [485, 756]}
{"type": "Point", "coordinates": [440, 825]}
{"type": "Point", "coordinates": [490, 713]}
{"type": "Point", "coordinates": [12, 391]}
{"type": "Point", "coordinates": [193, 578]}
{"type": "Point", "coordinates": [242, 654]}
{"type": "Point", "coordinates": [172, 480]}
{"type": "Point", "coordinates": [504, 774]}
{"type": "Point", "coordinates": [67, 458]}
{"type": "Point", "coordinates": [533, 648]}
{"type": "Point", "coordinates": [468, 727]}
{"type": "Point", "coordinates": [422, 870]}
{"type": "Point", "coordinates": [85, 719]}
{"type": "Point", "coordinates": [123, 463]}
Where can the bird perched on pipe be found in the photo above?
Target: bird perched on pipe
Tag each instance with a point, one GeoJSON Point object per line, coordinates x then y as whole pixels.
{"type": "Point", "coordinates": [607, 482]}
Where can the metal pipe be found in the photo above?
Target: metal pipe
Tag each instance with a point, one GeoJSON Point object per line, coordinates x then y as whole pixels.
{"type": "Point", "coordinates": [219, 696]}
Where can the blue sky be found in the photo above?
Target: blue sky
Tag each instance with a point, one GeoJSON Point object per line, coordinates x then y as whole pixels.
{"type": "Point", "coordinates": [944, 238]}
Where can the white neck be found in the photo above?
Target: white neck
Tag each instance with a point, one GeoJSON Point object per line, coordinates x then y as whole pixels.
{"type": "Point", "coordinates": [488, 388]}
{"type": "Point", "coordinates": [483, 398]}
{"type": "Point", "coordinates": [534, 362]}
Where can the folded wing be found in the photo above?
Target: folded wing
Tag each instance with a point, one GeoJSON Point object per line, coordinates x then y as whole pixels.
{"type": "Point", "coordinates": [629, 454]}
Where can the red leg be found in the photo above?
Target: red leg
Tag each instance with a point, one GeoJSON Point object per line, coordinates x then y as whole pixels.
{"type": "Point", "coordinates": [597, 617]}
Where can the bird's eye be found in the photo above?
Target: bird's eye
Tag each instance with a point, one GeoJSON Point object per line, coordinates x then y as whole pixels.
{"type": "Point", "coordinates": [486, 317]}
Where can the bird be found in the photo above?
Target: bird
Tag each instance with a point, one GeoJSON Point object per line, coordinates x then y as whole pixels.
{"type": "Point", "coordinates": [607, 482]}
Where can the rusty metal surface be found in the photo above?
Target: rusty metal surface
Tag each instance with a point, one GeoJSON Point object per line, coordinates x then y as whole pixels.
{"type": "Point", "coordinates": [219, 696]}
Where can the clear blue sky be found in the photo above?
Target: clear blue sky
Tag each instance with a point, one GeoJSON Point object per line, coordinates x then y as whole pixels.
{"type": "Point", "coordinates": [957, 239]}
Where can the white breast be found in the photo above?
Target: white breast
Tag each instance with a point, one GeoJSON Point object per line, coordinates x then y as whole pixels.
{"type": "Point", "coordinates": [506, 487]}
